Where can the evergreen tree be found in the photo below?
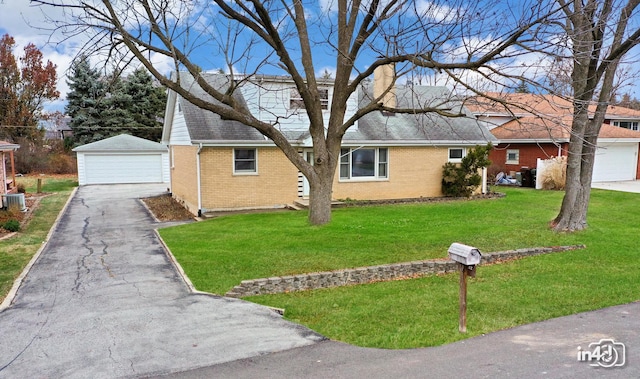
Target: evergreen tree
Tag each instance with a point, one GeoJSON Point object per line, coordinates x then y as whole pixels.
{"type": "Point", "coordinates": [103, 107]}
{"type": "Point", "coordinates": [85, 102]}
{"type": "Point", "coordinates": [147, 103]}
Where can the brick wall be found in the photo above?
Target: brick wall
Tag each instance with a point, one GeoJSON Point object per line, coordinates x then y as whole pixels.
{"type": "Point", "coordinates": [413, 172]}
{"type": "Point", "coordinates": [529, 153]}
{"type": "Point", "coordinates": [274, 185]}
{"type": "Point", "coordinates": [184, 183]}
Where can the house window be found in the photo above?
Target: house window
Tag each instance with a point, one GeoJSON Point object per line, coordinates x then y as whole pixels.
{"type": "Point", "coordinates": [296, 102]}
{"type": "Point", "coordinates": [364, 163]}
{"type": "Point", "coordinates": [633, 125]}
{"type": "Point", "coordinates": [244, 161]}
{"type": "Point", "coordinates": [456, 154]}
{"type": "Point", "coordinates": [513, 156]}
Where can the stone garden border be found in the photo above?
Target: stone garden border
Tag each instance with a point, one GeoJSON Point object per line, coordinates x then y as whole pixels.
{"type": "Point", "coordinates": [380, 273]}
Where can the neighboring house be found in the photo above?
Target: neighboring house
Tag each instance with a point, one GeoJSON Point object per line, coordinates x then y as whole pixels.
{"type": "Point", "coordinates": [219, 164]}
{"type": "Point", "coordinates": [7, 177]}
{"type": "Point", "coordinates": [58, 130]}
{"type": "Point", "coordinates": [531, 126]}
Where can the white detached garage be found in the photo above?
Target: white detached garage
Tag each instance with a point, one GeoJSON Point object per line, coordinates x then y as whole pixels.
{"type": "Point", "coordinates": [122, 159]}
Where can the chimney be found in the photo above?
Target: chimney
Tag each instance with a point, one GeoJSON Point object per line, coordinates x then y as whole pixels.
{"type": "Point", "coordinates": [383, 79]}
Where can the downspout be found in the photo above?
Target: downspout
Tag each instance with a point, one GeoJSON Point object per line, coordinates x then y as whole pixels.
{"type": "Point", "coordinates": [198, 179]}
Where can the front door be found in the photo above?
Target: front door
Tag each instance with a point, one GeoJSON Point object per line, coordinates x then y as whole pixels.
{"type": "Point", "coordinates": [308, 156]}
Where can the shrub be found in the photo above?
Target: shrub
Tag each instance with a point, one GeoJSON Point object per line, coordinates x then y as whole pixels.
{"type": "Point", "coordinates": [554, 176]}
{"type": "Point", "coordinates": [21, 188]}
{"type": "Point", "coordinates": [461, 179]}
{"type": "Point", "coordinates": [61, 163]}
{"type": "Point", "coordinates": [12, 225]}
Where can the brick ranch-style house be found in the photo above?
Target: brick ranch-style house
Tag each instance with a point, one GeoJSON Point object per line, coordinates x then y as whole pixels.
{"type": "Point", "coordinates": [533, 126]}
{"type": "Point", "coordinates": [219, 164]}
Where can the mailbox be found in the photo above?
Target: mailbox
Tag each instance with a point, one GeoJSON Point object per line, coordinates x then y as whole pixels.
{"type": "Point", "coordinates": [467, 255]}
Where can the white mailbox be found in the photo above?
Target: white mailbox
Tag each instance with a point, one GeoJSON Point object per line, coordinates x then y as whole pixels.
{"type": "Point", "coordinates": [467, 255]}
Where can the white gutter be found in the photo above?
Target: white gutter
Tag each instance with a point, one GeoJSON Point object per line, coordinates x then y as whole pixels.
{"type": "Point", "coordinates": [198, 179]}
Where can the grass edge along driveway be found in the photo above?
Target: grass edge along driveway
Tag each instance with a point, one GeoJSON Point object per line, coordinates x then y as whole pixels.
{"type": "Point", "coordinates": [219, 253]}
{"type": "Point", "coordinates": [17, 251]}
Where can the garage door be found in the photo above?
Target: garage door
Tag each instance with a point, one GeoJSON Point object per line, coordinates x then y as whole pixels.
{"type": "Point", "coordinates": [123, 168]}
{"type": "Point", "coordinates": [615, 162]}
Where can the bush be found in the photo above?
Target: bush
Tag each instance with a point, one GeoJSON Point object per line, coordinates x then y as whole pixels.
{"type": "Point", "coordinates": [12, 225]}
{"type": "Point", "coordinates": [21, 188]}
{"type": "Point", "coordinates": [554, 176]}
{"type": "Point", "coordinates": [38, 157]}
{"type": "Point", "coordinates": [461, 179]}
{"type": "Point", "coordinates": [60, 163]}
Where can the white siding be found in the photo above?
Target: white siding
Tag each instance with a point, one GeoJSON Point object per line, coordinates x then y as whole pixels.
{"type": "Point", "coordinates": [179, 131]}
{"type": "Point", "coordinates": [112, 168]}
{"type": "Point", "coordinates": [269, 101]}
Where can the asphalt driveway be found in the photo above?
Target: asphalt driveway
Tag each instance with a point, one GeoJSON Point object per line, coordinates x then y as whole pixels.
{"type": "Point", "coordinates": [103, 301]}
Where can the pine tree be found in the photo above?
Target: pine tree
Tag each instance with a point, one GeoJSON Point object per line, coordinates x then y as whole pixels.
{"type": "Point", "coordinates": [85, 102]}
{"type": "Point", "coordinates": [102, 107]}
{"type": "Point", "coordinates": [146, 106]}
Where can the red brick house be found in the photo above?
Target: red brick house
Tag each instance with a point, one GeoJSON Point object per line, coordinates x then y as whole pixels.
{"type": "Point", "coordinates": [531, 126]}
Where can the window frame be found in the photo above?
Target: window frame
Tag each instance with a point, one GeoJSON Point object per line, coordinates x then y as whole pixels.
{"type": "Point", "coordinates": [253, 171]}
{"type": "Point", "coordinates": [517, 158]}
{"type": "Point", "coordinates": [346, 161]}
{"type": "Point", "coordinates": [456, 160]}
{"type": "Point", "coordinates": [632, 125]}
{"type": "Point", "coordinates": [296, 102]}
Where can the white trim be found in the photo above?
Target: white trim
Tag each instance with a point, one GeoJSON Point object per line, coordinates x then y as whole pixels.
{"type": "Point", "coordinates": [199, 180]}
{"type": "Point", "coordinates": [456, 160]}
{"type": "Point", "coordinates": [350, 143]}
{"type": "Point", "coordinates": [513, 161]}
{"type": "Point", "coordinates": [376, 177]}
{"type": "Point", "coordinates": [244, 172]}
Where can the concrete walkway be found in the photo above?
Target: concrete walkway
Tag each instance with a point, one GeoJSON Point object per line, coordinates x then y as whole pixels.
{"type": "Point", "coordinates": [623, 186]}
{"type": "Point", "coordinates": [103, 301]}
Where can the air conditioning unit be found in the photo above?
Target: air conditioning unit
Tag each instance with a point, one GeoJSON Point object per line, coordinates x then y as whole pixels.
{"type": "Point", "coordinates": [13, 200]}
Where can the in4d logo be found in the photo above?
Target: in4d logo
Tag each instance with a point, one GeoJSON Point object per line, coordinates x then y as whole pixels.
{"type": "Point", "coordinates": [604, 353]}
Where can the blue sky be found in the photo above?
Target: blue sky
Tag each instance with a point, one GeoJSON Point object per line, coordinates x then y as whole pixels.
{"type": "Point", "coordinates": [27, 24]}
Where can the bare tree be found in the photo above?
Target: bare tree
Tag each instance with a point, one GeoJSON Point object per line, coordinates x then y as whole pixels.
{"type": "Point", "coordinates": [600, 34]}
{"type": "Point", "coordinates": [288, 37]}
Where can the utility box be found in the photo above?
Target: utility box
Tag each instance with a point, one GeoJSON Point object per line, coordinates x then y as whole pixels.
{"type": "Point", "coordinates": [464, 254]}
{"type": "Point", "coordinates": [14, 200]}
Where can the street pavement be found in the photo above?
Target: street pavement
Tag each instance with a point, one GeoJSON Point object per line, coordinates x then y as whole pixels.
{"type": "Point", "coordinates": [548, 349]}
{"type": "Point", "coordinates": [104, 301]}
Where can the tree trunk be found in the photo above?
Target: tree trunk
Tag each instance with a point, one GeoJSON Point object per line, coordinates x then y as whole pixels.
{"type": "Point", "coordinates": [573, 213]}
{"type": "Point", "coordinates": [320, 201]}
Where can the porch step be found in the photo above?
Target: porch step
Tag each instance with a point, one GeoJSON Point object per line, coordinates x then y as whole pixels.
{"type": "Point", "coordinates": [301, 204]}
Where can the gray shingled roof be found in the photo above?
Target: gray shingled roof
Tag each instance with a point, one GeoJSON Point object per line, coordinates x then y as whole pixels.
{"type": "Point", "coordinates": [408, 128]}
{"type": "Point", "coordinates": [428, 127]}
{"type": "Point", "coordinates": [205, 125]}
{"type": "Point", "coordinates": [122, 142]}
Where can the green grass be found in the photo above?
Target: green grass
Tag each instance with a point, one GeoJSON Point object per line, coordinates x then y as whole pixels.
{"type": "Point", "coordinates": [219, 253]}
{"type": "Point", "coordinates": [17, 251]}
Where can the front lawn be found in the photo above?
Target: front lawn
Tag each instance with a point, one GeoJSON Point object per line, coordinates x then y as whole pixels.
{"type": "Point", "coordinates": [219, 253]}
